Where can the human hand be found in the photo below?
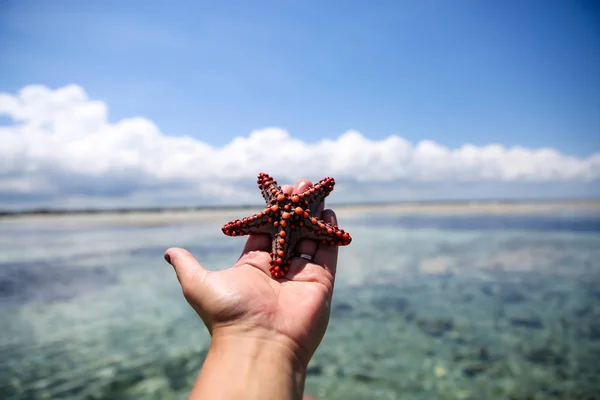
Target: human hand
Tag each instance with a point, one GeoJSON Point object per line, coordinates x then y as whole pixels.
{"type": "Point", "coordinates": [244, 304]}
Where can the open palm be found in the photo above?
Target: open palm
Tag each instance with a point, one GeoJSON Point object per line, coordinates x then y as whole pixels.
{"type": "Point", "coordinates": [245, 300]}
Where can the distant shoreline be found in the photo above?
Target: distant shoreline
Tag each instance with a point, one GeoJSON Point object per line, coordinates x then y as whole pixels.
{"type": "Point", "coordinates": [460, 206]}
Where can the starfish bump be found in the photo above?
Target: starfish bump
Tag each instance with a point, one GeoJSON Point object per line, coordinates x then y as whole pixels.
{"type": "Point", "coordinates": [289, 218]}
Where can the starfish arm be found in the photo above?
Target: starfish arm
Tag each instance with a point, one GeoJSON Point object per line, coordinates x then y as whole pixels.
{"type": "Point", "coordinates": [269, 188]}
{"type": "Point", "coordinates": [326, 233]}
{"type": "Point", "coordinates": [317, 193]}
{"type": "Point", "coordinates": [282, 251]}
{"type": "Point", "coordinates": [257, 223]}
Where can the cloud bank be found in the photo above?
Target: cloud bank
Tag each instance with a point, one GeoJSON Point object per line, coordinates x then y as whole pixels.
{"type": "Point", "coordinates": [60, 149]}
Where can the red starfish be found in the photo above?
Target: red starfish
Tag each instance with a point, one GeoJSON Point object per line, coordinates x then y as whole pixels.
{"type": "Point", "coordinates": [287, 219]}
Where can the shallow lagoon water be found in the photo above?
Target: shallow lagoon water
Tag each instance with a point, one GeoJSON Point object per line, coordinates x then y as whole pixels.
{"type": "Point", "coordinates": [460, 306]}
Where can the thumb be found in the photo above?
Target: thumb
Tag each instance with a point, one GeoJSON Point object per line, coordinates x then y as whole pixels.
{"type": "Point", "coordinates": [188, 269]}
{"type": "Point", "coordinates": [191, 276]}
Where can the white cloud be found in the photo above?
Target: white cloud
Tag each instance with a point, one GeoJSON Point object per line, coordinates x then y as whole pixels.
{"type": "Point", "coordinates": [61, 146]}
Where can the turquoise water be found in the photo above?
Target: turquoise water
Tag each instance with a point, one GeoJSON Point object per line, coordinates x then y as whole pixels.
{"type": "Point", "coordinates": [426, 306]}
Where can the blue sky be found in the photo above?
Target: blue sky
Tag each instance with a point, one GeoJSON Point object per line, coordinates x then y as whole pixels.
{"type": "Point", "coordinates": [112, 103]}
{"type": "Point", "coordinates": [512, 72]}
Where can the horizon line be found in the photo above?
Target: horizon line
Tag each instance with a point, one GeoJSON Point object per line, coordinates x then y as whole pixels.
{"type": "Point", "coordinates": [123, 210]}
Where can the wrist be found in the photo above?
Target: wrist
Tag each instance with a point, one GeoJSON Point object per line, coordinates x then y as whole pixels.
{"type": "Point", "coordinates": [250, 367]}
{"type": "Point", "coordinates": [259, 349]}
{"type": "Point", "coordinates": [248, 337]}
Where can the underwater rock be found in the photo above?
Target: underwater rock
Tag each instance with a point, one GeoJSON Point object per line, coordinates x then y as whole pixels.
{"type": "Point", "coordinates": [472, 355]}
{"type": "Point", "coordinates": [410, 316]}
{"type": "Point", "coordinates": [527, 320]}
{"type": "Point", "coordinates": [592, 330]}
{"type": "Point", "coordinates": [583, 310]}
{"type": "Point", "coordinates": [484, 354]}
{"type": "Point", "coordinates": [435, 326]}
{"type": "Point", "coordinates": [592, 284]}
{"type": "Point", "coordinates": [363, 377]}
{"type": "Point", "coordinates": [314, 369]}
{"type": "Point", "coordinates": [456, 337]}
{"type": "Point", "coordinates": [341, 308]}
{"type": "Point", "coordinates": [125, 380]}
{"type": "Point", "coordinates": [473, 369]}
{"type": "Point", "coordinates": [521, 396]}
{"type": "Point", "coordinates": [544, 356]}
{"type": "Point", "coordinates": [506, 293]}
{"type": "Point", "coordinates": [558, 298]}
{"type": "Point", "coordinates": [395, 304]}
{"type": "Point", "coordinates": [467, 297]}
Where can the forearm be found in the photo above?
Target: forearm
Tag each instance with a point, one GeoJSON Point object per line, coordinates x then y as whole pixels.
{"type": "Point", "coordinates": [249, 368]}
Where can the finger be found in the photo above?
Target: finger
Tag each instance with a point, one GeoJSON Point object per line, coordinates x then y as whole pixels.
{"type": "Point", "coordinates": [187, 268]}
{"type": "Point", "coordinates": [257, 242]}
{"type": "Point", "coordinates": [192, 277]}
{"type": "Point", "coordinates": [302, 185]}
{"type": "Point", "coordinates": [258, 259]}
{"type": "Point", "coordinates": [327, 254]}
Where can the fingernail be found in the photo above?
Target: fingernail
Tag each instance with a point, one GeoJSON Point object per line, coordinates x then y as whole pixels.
{"type": "Point", "coordinates": [167, 258]}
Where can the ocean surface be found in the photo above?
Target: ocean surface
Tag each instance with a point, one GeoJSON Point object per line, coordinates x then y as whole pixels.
{"type": "Point", "coordinates": [437, 305]}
